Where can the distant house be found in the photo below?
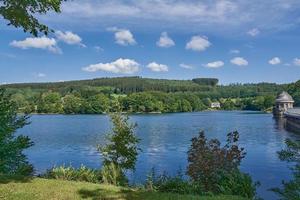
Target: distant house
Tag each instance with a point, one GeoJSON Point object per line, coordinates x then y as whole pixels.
{"type": "Point", "coordinates": [215, 105]}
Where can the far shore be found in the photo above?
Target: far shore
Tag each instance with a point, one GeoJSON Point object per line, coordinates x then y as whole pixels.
{"type": "Point", "coordinates": [157, 113]}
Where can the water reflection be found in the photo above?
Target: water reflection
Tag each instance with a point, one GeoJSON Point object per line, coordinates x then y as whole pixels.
{"type": "Point", "coordinates": [284, 124]}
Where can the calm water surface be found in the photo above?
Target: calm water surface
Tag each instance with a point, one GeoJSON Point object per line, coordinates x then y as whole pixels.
{"type": "Point", "coordinates": [165, 139]}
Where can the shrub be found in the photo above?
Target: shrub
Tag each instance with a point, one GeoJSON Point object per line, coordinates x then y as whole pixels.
{"type": "Point", "coordinates": [290, 190]}
{"type": "Point", "coordinates": [72, 174]}
{"type": "Point", "coordinates": [169, 184]}
{"type": "Point", "coordinates": [112, 174]}
{"type": "Point", "coordinates": [236, 183]}
{"type": "Point", "coordinates": [216, 168]}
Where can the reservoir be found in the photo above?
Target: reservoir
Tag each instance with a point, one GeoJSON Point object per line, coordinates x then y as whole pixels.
{"type": "Point", "coordinates": [165, 139]}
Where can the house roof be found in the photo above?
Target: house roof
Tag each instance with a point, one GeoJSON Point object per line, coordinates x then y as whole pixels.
{"type": "Point", "coordinates": [284, 97]}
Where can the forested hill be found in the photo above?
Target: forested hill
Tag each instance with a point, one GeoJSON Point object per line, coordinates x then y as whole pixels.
{"type": "Point", "coordinates": [136, 94]}
{"type": "Point", "coordinates": [126, 85]}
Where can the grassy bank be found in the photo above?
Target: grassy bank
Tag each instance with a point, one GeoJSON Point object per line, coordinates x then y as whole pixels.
{"type": "Point", "coordinates": [40, 189]}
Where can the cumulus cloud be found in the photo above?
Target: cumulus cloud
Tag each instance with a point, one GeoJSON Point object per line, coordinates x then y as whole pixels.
{"type": "Point", "coordinates": [69, 38]}
{"type": "Point", "coordinates": [239, 61]}
{"type": "Point", "coordinates": [185, 66]}
{"type": "Point", "coordinates": [165, 41]}
{"type": "Point", "coordinates": [46, 43]}
{"type": "Point", "coordinates": [123, 36]}
{"type": "Point", "coordinates": [155, 67]}
{"type": "Point", "coordinates": [122, 66]}
{"type": "Point", "coordinates": [215, 64]}
{"type": "Point", "coordinates": [198, 43]}
{"type": "Point", "coordinates": [296, 61]}
{"type": "Point", "coordinates": [234, 51]}
{"type": "Point", "coordinates": [253, 32]}
{"type": "Point", "coordinates": [275, 61]}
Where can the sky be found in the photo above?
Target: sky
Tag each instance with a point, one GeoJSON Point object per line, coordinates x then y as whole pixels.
{"type": "Point", "coordinates": [236, 41]}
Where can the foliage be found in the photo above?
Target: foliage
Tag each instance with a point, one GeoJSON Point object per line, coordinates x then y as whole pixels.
{"type": "Point", "coordinates": [236, 183]}
{"type": "Point", "coordinates": [136, 94]}
{"type": "Point", "coordinates": [121, 149]}
{"type": "Point", "coordinates": [23, 13]}
{"type": "Point", "coordinates": [216, 168]}
{"type": "Point", "coordinates": [12, 159]}
{"type": "Point", "coordinates": [291, 189]}
{"type": "Point", "coordinates": [294, 90]}
{"type": "Point", "coordinates": [72, 174]}
{"type": "Point", "coordinates": [206, 81]}
{"type": "Point", "coordinates": [169, 184]}
{"type": "Point", "coordinates": [113, 174]}
{"type": "Point", "coordinates": [72, 104]}
{"type": "Point", "coordinates": [50, 102]}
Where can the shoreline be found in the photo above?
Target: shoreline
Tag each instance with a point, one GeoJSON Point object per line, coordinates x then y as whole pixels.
{"type": "Point", "coordinates": [152, 113]}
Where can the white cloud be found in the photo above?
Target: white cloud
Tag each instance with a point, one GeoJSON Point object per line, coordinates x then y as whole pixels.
{"type": "Point", "coordinates": [185, 66]}
{"type": "Point", "coordinates": [198, 43]}
{"type": "Point", "coordinates": [234, 51]}
{"type": "Point", "coordinates": [155, 67]}
{"type": "Point", "coordinates": [46, 43]}
{"type": "Point", "coordinates": [253, 32]}
{"type": "Point", "coordinates": [296, 61]}
{"type": "Point", "coordinates": [215, 64]}
{"type": "Point", "coordinates": [123, 36]}
{"type": "Point", "coordinates": [165, 41]}
{"type": "Point", "coordinates": [239, 61]}
{"type": "Point", "coordinates": [69, 38]}
{"type": "Point", "coordinates": [123, 66]}
{"type": "Point", "coordinates": [218, 16]}
{"type": "Point", "coordinates": [275, 61]}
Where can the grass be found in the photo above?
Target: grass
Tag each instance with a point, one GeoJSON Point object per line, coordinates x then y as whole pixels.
{"type": "Point", "coordinates": [50, 189]}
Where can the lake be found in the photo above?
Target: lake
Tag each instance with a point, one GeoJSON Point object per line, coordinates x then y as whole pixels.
{"type": "Point", "coordinates": [165, 139]}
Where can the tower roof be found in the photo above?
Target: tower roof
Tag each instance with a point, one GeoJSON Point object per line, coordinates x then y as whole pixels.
{"type": "Point", "coordinates": [284, 97]}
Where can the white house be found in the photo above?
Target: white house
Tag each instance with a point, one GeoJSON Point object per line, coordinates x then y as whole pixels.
{"type": "Point", "coordinates": [215, 105]}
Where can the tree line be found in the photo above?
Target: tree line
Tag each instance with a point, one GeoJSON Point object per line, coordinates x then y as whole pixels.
{"type": "Point", "coordinates": [136, 94]}
{"type": "Point", "coordinates": [143, 102]}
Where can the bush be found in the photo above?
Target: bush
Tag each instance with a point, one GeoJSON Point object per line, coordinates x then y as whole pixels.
{"type": "Point", "coordinates": [290, 190]}
{"type": "Point", "coordinates": [112, 174]}
{"type": "Point", "coordinates": [72, 174]}
{"type": "Point", "coordinates": [216, 168]}
{"type": "Point", "coordinates": [169, 184]}
{"type": "Point", "coordinates": [236, 183]}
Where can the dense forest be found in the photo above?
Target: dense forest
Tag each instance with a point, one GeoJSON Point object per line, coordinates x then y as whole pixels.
{"type": "Point", "coordinates": [137, 94]}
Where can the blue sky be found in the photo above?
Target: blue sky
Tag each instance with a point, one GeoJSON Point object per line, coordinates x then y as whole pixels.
{"type": "Point", "coordinates": [233, 40]}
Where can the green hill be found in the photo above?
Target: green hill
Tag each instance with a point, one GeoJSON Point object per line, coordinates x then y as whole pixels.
{"type": "Point", "coordinates": [126, 84]}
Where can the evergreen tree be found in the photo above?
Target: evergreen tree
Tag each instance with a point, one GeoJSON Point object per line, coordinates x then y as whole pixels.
{"type": "Point", "coordinates": [12, 159]}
